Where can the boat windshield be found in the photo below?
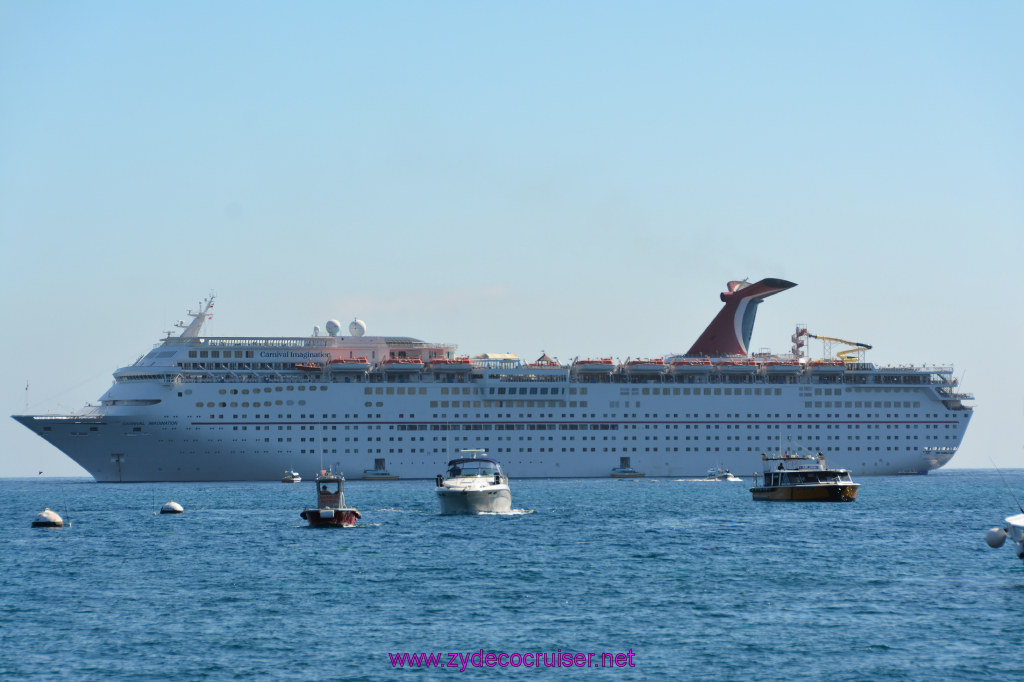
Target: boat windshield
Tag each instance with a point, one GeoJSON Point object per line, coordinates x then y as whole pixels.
{"type": "Point", "coordinates": [329, 487]}
{"type": "Point", "coordinates": [788, 477]}
{"type": "Point", "coordinates": [473, 468]}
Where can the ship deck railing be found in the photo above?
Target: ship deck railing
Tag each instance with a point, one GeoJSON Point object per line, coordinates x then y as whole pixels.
{"type": "Point", "coordinates": [288, 373]}
{"type": "Point", "coordinates": [271, 342]}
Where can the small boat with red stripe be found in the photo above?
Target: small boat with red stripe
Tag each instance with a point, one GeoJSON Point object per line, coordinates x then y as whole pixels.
{"type": "Point", "coordinates": [330, 499]}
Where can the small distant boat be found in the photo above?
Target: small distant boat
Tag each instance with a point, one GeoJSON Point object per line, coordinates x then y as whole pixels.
{"type": "Point", "coordinates": [379, 472]}
{"type": "Point", "coordinates": [349, 365]}
{"type": "Point", "coordinates": [625, 470]}
{"type": "Point", "coordinates": [474, 485]}
{"type": "Point", "coordinates": [463, 364]}
{"type": "Point", "coordinates": [692, 366]}
{"type": "Point", "coordinates": [717, 473]}
{"type": "Point", "coordinates": [588, 366]}
{"type": "Point", "coordinates": [291, 477]}
{"type": "Point", "coordinates": [803, 478]}
{"type": "Point", "coordinates": [650, 366]}
{"type": "Point", "coordinates": [745, 366]}
{"type": "Point", "coordinates": [1012, 527]}
{"type": "Point", "coordinates": [330, 499]}
{"type": "Point", "coordinates": [309, 366]}
{"type": "Point", "coordinates": [403, 365]}
{"type": "Point", "coordinates": [783, 367]}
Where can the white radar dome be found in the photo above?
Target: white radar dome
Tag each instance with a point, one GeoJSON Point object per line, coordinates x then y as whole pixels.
{"type": "Point", "coordinates": [357, 328]}
{"type": "Point", "coordinates": [333, 327]}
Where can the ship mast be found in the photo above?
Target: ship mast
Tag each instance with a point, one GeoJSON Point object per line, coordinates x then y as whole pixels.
{"type": "Point", "coordinates": [193, 328]}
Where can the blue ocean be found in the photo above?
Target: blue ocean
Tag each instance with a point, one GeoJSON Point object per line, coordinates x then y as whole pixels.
{"type": "Point", "coordinates": [658, 578]}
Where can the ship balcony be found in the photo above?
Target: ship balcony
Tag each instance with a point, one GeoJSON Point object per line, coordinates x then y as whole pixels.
{"type": "Point", "coordinates": [954, 395]}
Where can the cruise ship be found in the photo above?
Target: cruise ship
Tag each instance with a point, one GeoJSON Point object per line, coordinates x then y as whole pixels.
{"type": "Point", "coordinates": [202, 408]}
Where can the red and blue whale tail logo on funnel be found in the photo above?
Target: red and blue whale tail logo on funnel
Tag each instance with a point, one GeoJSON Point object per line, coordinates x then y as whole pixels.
{"type": "Point", "coordinates": [729, 333]}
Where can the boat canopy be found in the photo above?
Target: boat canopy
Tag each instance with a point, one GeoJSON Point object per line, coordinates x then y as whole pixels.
{"type": "Point", "coordinates": [473, 467]}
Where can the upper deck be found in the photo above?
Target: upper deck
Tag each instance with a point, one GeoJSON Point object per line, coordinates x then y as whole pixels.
{"type": "Point", "coordinates": [356, 358]}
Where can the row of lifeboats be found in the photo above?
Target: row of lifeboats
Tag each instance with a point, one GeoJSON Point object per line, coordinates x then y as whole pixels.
{"type": "Point", "coordinates": [389, 365]}
{"type": "Point", "coordinates": [591, 366]}
{"type": "Point", "coordinates": [706, 366]}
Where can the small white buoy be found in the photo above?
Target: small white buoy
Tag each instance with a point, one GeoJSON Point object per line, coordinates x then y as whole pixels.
{"type": "Point", "coordinates": [172, 507]}
{"type": "Point", "coordinates": [995, 537]}
{"type": "Point", "coordinates": [48, 519]}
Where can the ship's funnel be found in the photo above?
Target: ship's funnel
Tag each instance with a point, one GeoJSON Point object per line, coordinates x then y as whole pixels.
{"type": "Point", "coordinates": [729, 333]}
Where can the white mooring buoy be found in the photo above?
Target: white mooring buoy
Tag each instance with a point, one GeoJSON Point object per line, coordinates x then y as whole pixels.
{"type": "Point", "coordinates": [172, 507]}
{"type": "Point", "coordinates": [48, 519]}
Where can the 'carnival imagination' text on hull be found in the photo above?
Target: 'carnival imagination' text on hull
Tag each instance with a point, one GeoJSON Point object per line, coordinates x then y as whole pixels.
{"type": "Point", "coordinates": [201, 408]}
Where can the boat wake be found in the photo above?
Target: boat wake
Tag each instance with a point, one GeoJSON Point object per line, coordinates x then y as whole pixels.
{"type": "Point", "coordinates": [703, 480]}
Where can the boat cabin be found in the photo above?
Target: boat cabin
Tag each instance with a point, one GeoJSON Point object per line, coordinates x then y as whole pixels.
{"type": "Point", "coordinates": [783, 476]}
{"type": "Point", "coordinates": [478, 467]}
{"type": "Point", "coordinates": [805, 478]}
{"type": "Point", "coordinates": [330, 492]}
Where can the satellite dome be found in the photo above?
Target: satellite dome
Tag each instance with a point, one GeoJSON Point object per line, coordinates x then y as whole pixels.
{"type": "Point", "coordinates": [357, 328]}
{"type": "Point", "coordinates": [333, 327]}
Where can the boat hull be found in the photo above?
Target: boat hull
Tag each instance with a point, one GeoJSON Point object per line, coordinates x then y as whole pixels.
{"type": "Point", "coordinates": [218, 431]}
{"type": "Point", "coordinates": [485, 501]}
{"type": "Point", "coordinates": [330, 518]}
{"type": "Point", "coordinates": [806, 493]}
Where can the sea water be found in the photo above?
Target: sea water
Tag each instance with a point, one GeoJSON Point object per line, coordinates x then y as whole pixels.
{"type": "Point", "coordinates": [670, 579]}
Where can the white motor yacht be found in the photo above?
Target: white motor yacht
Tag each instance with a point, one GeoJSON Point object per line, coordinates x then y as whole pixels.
{"type": "Point", "coordinates": [474, 484]}
{"type": "Point", "coordinates": [718, 473]}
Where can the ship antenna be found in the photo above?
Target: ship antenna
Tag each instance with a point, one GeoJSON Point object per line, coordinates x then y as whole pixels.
{"type": "Point", "coordinates": [1008, 488]}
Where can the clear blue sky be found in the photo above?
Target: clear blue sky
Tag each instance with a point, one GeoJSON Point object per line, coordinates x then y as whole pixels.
{"type": "Point", "coordinates": [580, 178]}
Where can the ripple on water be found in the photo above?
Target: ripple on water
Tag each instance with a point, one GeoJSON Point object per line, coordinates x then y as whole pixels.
{"type": "Point", "coordinates": [698, 580]}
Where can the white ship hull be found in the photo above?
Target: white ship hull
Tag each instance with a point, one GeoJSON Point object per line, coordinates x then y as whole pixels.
{"type": "Point", "coordinates": [670, 435]}
{"type": "Point", "coordinates": [222, 409]}
{"type": "Point", "coordinates": [489, 500]}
